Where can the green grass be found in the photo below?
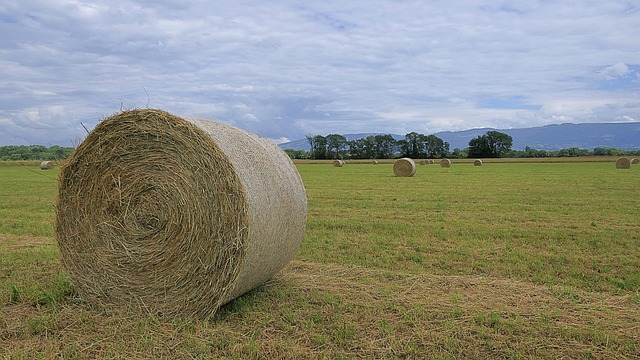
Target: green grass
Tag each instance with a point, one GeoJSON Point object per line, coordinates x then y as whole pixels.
{"type": "Point", "coordinates": [506, 260]}
{"type": "Point", "coordinates": [553, 223]}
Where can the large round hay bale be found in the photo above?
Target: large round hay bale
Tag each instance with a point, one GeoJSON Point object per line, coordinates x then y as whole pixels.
{"type": "Point", "coordinates": [338, 163]}
{"type": "Point", "coordinates": [176, 217]}
{"type": "Point", "coordinates": [431, 161]}
{"type": "Point", "coordinates": [623, 163]}
{"type": "Point", "coordinates": [445, 163]}
{"type": "Point", "coordinates": [404, 167]}
{"type": "Point", "coordinates": [477, 162]}
{"type": "Point", "coordinates": [374, 162]}
{"type": "Point", "coordinates": [47, 165]}
{"type": "Point", "coordinates": [634, 161]}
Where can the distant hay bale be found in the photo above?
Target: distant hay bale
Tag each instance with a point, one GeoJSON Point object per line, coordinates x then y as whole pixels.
{"type": "Point", "coordinates": [47, 165]}
{"type": "Point", "coordinates": [623, 163]}
{"type": "Point", "coordinates": [431, 162]}
{"type": "Point", "coordinates": [445, 163]}
{"type": "Point", "coordinates": [404, 167]}
{"type": "Point", "coordinates": [634, 161]}
{"type": "Point", "coordinates": [374, 162]}
{"type": "Point", "coordinates": [423, 162]}
{"type": "Point", "coordinates": [174, 217]}
{"type": "Point", "coordinates": [477, 162]}
{"type": "Point", "coordinates": [338, 163]}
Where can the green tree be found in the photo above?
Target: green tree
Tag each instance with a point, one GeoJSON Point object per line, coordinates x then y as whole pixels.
{"type": "Point", "coordinates": [318, 145]}
{"type": "Point", "coordinates": [336, 145]}
{"type": "Point", "coordinates": [434, 147]}
{"type": "Point", "coordinates": [493, 144]}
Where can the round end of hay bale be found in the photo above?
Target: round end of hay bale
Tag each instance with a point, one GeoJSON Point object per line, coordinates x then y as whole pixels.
{"type": "Point", "coordinates": [623, 163]}
{"type": "Point", "coordinates": [423, 162]}
{"type": "Point", "coordinates": [404, 167]}
{"type": "Point", "coordinates": [374, 162]}
{"type": "Point", "coordinates": [47, 165]}
{"type": "Point", "coordinates": [338, 163]}
{"type": "Point", "coordinates": [477, 162]}
{"type": "Point", "coordinates": [634, 161]}
{"type": "Point", "coordinates": [174, 217]}
{"type": "Point", "coordinates": [445, 163]}
{"type": "Point", "coordinates": [431, 162]}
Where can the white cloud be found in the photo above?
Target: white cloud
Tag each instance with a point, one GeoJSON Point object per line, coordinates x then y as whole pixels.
{"type": "Point", "coordinates": [614, 71]}
{"type": "Point", "coordinates": [286, 69]}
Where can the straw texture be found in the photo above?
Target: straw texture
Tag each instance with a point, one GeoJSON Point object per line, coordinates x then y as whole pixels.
{"type": "Point", "coordinates": [175, 217]}
{"type": "Point", "coordinates": [47, 165]}
{"type": "Point", "coordinates": [445, 163]}
{"type": "Point", "coordinates": [404, 167]}
{"type": "Point", "coordinates": [623, 163]}
{"type": "Point", "coordinates": [338, 163]}
{"type": "Point", "coordinates": [634, 161]}
{"type": "Point", "coordinates": [477, 162]}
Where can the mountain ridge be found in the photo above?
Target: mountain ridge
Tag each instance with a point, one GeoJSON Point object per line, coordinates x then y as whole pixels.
{"type": "Point", "coordinates": [623, 136]}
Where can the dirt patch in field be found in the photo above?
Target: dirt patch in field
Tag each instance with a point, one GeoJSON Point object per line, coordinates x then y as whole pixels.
{"type": "Point", "coordinates": [10, 242]}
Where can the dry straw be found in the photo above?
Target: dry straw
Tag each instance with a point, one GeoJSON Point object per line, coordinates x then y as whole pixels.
{"type": "Point", "coordinates": [404, 167]}
{"type": "Point", "coordinates": [477, 162]}
{"type": "Point", "coordinates": [423, 162]}
{"type": "Point", "coordinates": [445, 163]}
{"type": "Point", "coordinates": [634, 161]}
{"type": "Point", "coordinates": [338, 163]}
{"type": "Point", "coordinates": [47, 165]}
{"type": "Point", "coordinates": [374, 162]}
{"type": "Point", "coordinates": [176, 217]}
{"type": "Point", "coordinates": [623, 163]}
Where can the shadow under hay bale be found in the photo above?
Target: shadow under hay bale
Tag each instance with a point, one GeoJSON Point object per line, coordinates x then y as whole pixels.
{"type": "Point", "coordinates": [47, 165]}
{"type": "Point", "coordinates": [176, 217]}
{"type": "Point", "coordinates": [623, 163]}
{"type": "Point", "coordinates": [445, 163]}
{"type": "Point", "coordinates": [404, 167]}
{"type": "Point", "coordinates": [477, 162]}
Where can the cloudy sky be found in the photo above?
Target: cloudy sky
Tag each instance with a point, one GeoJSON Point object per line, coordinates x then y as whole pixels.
{"type": "Point", "coordinates": [285, 69]}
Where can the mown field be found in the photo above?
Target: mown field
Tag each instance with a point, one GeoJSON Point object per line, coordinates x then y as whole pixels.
{"type": "Point", "coordinates": [509, 260]}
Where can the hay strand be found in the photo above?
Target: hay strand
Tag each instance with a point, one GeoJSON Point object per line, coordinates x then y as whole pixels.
{"type": "Point", "coordinates": [404, 167]}
{"type": "Point", "coordinates": [445, 163]}
{"type": "Point", "coordinates": [176, 217]}
{"type": "Point", "coordinates": [477, 162]}
{"type": "Point", "coordinates": [623, 163]}
{"type": "Point", "coordinates": [47, 165]}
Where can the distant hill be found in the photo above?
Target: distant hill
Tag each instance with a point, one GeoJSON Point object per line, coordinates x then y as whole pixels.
{"type": "Point", "coordinates": [624, 136]}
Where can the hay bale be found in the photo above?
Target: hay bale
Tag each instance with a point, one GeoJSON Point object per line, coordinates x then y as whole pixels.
{"type": "Point", "coordinates": [404, 167]}
{"type": "Point", "coordinates": [338, 163]}
{"type": "Point", "coordinates": [634, 161]}
{"type": "Point", "coordinates": [423, 162]}
{"type": "Point", "coordinates": [47, 165]}
{"type": "Point", "coordinates": [431, 162]}
{"type": "Point", "coordinates": [623, 163]}
{"type": "Point", "coordinates": [374, 162]}
{"type": "Point", "coordinates": [445, 163]}
{"type": "Point", "coordinates": [176, 217]}
{"type": "Point", "coordinates": [477, 162]}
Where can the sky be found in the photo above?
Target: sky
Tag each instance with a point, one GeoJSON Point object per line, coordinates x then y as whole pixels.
{"type": "Point", "coordinates": [285, 69]}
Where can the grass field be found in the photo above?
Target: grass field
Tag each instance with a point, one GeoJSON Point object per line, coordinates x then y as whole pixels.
{"type": "Point", "coordinates": [508, 260]}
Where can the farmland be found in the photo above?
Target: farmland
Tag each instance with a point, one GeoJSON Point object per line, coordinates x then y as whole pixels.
{"type": "Point", "coordinates": [505, 260]}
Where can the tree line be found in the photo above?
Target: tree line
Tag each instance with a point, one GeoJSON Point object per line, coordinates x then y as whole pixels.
{"type": "Point", "coordinates": [493, 144]}
{"type": "Point", "coordinates": [34, 152]}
